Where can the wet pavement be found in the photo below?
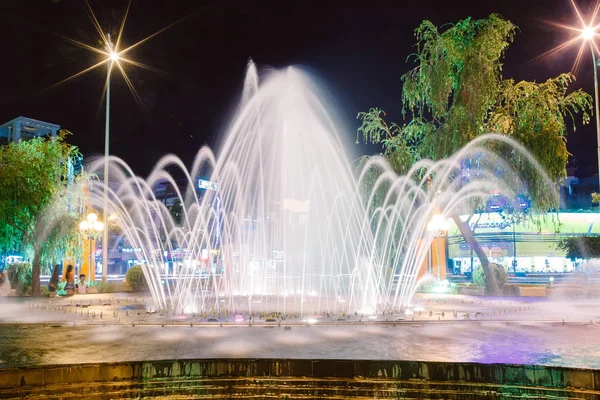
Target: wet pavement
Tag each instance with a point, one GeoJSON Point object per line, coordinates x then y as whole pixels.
{"type": "Point", "coordinates": [446, 328]}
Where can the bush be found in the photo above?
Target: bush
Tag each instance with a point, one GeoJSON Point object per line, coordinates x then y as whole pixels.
{"type": "Point", "coordinates": [511, 290]}
{"type": "Point", "coordinates": [438, 287]}
{"type": "Point", "coordinates": [61, 288]}
{"type": "Point", "coordinates": [19, 276]}
{"type": "Point", "coordinates": [92, 283]}
{"type": "Point", "coordinates": [135, 279]}
{"type": "Point", "coordinates": [108, 287]}
{"type": "Point", "coordinates": [499, 273]}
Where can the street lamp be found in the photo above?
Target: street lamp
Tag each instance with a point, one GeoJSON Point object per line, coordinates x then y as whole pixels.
{"type": "Point", "coordinates": [439, 226]}
{"type": "Point", "coordinates": [114, 57]}
{"type": "Point", "coordinates": [587, 34]}
{"type": "Point", "coordinates": [90, 228]}
{"type": "Point", "coordinates": [587, 31]}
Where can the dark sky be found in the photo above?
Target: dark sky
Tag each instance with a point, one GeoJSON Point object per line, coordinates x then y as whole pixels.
{"type": "Point", "coordinates": [359, 48]}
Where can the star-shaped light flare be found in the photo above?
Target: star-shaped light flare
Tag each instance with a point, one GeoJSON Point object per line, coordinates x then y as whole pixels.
{"type": "Point", "coordinates": [586, 34]}
{"type": "Point", "coordinates": [113, 55]}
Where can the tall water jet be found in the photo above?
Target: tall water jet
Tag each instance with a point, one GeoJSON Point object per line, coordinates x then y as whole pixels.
{"type": "Point", "coordinates": [285, 223]}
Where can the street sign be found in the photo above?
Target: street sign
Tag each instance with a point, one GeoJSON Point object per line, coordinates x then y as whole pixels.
{"type": "Point", "coordinates": [208, 185]}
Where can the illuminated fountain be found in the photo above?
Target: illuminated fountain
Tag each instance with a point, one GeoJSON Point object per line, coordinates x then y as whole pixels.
{"type": "Point", "coordinates": [285, 222]}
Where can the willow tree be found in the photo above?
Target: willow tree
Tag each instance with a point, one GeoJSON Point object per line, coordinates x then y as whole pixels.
{"type": "Point", "coordinates": [38, 211]}
{"type": "Point", "coordinates": [456, 92]}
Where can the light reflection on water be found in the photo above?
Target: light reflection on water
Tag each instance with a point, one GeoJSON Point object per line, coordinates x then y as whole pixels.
{"type": "Point", "coordinates": [570, 345]}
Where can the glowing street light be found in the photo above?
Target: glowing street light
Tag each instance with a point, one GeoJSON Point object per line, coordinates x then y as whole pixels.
{"type": "Point", "coordinates": [437, 224]}
{"type": "Point", "coordinates": [588, 35]}
{"type": "Point", "coordinates": [113, 56]}
{"type": "Point", "coordinates": [587, 32]}
{"type": "Point", "coordinates": [91, 228]}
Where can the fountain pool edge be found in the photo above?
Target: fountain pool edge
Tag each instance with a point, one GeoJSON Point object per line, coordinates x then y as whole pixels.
{"type": "Point", "coordinates": [222, 378]}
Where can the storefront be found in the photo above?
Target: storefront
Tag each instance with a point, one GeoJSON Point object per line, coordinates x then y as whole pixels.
{"type": "Point", "coordinates": [530, 245]}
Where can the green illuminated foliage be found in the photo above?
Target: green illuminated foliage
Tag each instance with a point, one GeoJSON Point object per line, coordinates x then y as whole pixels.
{"type": "Point", "coordinates": [587, 247]}
{"type": "Point", "coordinates": [38, 215]}
{"type": "Point", "coordinates": [456, 92]}
{"type": "Point", "coordinates": [135, 278]}
{"type": "Point", "coordinates": [499, 274]}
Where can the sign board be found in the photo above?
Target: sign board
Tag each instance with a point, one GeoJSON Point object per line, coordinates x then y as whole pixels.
{"type": "Point", "coordinates": [208, 185]}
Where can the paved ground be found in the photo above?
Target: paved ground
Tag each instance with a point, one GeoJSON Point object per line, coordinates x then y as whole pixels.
{"type": "Point", "coordinates": [123, 308]}
{"type": "Point", "coordinates": [95, 328]}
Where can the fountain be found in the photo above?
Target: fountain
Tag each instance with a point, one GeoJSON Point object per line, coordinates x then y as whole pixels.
{"type": "Point", "coordinates": [285, 222]}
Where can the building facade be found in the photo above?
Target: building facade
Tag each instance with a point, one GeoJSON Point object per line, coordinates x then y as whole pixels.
{"type": "Point", "coordinates": [23, 128]}
{"type": "Point", "coordinates": [527, 246]}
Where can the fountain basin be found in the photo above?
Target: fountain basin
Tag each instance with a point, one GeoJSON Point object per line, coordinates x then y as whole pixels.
{"type": "Point", "coordinates": [295, 378]}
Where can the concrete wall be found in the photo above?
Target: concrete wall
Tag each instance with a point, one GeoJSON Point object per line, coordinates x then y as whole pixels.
{"type": "Point", "coordinates": [316, 378]}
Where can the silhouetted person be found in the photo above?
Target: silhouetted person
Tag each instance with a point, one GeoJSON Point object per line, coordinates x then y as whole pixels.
{"type": "Point", "coordinates": [4, 283]}
{"type": "Point", "coordinates": [70, 278]}
{"type": "Point", "coordinates": [53, 284]}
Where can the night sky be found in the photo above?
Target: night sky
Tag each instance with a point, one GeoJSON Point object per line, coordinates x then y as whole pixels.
{"type": "Point", "coordinates": [359, 48]}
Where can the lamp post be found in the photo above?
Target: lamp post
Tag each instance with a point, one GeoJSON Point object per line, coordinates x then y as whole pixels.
{"type": "Point", "coordinates": [439, 226]}
{"type": "Point", "coordinates": [114, 57]}
{"type": "Point", "coordinates": [596, 111]}
{"type": "Point", "coordinates": [90, 228]}
{"type": "Point", "coordinates": [113, 54]}
{"type": "Point", "coordinates": [588, 34]}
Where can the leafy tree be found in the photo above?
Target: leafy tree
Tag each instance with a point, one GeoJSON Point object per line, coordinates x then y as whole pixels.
{"type": "Point", "coordinates": [581, 247]}
{"type": "Point", "coordinates": [176, 211]}
{"type": "Point", "coordinates": [38, 211]}
{"type": "Point", "coordinates": [456, 92]}
{"type": "Point", "coordinates": [499, 273]}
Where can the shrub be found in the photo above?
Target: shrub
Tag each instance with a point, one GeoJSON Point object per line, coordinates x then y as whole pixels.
{"type": "Point", "coordinates": [438, 287]}
{"type": "Point", "coordinates": [499, 273]}
{"type": "Point", "coordinates": [511, 290]}
{"type": "Point", "coordinates": [108, 287]}
{"type": "Point", "coordinates": [135, 279]}
{"type": "Point", "coordinates": [19, 276]}
{"type": "Point", "coordinates": [61, 288]}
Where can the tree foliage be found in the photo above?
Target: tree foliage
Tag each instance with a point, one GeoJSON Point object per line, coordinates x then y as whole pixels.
{"type": "Point", "coordinates": [456, 93]}
{"type": "Point", "coordinates": [135, 278]}
{"type": "Point", "coordinates": [38, 212]}
{"type": "Point", "coordinates": [499, 274]}
{"type": "Point", "coordinates": [19, 275]}
{"type": "Point", "coordinates": [581, 247]}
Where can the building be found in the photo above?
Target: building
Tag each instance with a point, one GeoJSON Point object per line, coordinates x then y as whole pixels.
{"type": "Point", "coordinates": [524, 247]}
{"type": "Point", "coordinates": [23, 128]}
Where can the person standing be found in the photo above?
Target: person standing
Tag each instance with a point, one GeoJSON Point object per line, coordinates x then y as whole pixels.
{"type": "Point", "coordinates": [70, 278]}
{"type": "Point", "coordinates": [53, 284]}
{"type": "Point", "coordinates": [4, 282]}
